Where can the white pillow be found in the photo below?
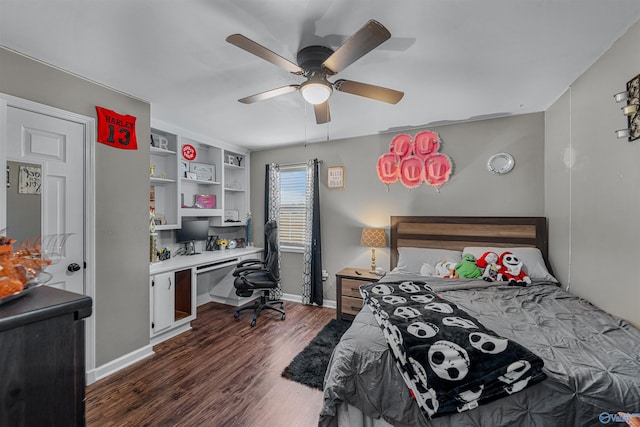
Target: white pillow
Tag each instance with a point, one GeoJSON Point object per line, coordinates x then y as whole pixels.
{"type": "Point", "coordinates": [410, 260]}
{"type": "Point", "coordinates": [427, 270]}
{"type": "Point", "coordinates": [531, 258]}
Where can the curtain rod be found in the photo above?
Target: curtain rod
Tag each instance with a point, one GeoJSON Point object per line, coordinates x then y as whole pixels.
{"type": "Point", "coordinates": [294, 164]}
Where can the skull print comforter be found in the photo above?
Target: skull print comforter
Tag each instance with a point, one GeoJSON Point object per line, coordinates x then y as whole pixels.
{"type": "Point", "coordinates": [475, 353]}
{"type": "Point", "coordinates": [449, 361]}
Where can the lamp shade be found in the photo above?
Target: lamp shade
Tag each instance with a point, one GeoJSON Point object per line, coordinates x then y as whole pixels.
{"type": "Point", "coordinates": [373, 238]}
{"type": "Point", "coordinates": [315, 91]}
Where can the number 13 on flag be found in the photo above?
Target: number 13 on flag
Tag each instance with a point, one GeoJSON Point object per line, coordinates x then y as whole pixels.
{"type": "Point", "coordinates": [116, 130]}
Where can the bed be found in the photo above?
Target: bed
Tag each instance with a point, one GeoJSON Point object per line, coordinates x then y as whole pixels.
{"type": "Point", "coordinates": [589, 361]}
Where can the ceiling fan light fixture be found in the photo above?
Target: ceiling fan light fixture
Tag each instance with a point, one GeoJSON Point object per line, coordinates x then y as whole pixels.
{"type": "Point", "coordinates": [316, 91]}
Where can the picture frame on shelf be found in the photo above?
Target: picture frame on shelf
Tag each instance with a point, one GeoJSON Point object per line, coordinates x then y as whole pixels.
{"type": "Point", "coordinates": [203, 171]}
{"type": "Point", "coordinates": [183, 168]}
{"type": "Point", "coordinates": [231, 215]}
{"type": "Point", "coordinates": [205, 201]}
{"type": "Point", "coordinates": [160, 219]}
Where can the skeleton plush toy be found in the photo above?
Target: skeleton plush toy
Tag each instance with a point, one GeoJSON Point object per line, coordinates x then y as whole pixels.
{"type": "Point", "coordinates": [512, 270]}
{"type": "Point", "coordinates": [488, 262]}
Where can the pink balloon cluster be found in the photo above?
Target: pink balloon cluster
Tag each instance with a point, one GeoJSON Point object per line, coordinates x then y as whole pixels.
{"type": "Point", "coordinates": [414, 160]}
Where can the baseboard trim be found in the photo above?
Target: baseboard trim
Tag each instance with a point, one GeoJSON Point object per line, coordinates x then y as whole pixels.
{"type": "Point", "coordinates": [119, 364]}
{"type": "Point", "coordinates": [298, 298]}
{"type": "Point", "coordinates": [203, 299]}
{"type": "Point", "coordinates": [170, 333]}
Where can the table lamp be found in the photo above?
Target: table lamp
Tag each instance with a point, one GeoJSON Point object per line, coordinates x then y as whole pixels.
{"type": "Point", "coordinates": [373, 238]}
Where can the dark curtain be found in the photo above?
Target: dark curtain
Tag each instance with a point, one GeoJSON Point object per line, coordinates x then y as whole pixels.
{"type": "Point", "coordinates": [316, 244]}
{"type": "Point", "coordinates": [272, 212]}
{"type": "Point", "coordinates": [266, 203]}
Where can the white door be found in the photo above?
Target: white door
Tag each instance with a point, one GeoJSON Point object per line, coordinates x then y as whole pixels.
{"type": "Point", "coordinates": [57, 145]}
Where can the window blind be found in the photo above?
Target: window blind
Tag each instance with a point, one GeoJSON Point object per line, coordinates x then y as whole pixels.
{"type": "Point", "coordinates": [292, 206]}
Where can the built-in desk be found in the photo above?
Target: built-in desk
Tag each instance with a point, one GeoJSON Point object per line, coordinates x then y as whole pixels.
{"type": "Point", "coordinates": [208, 260]}
{"type": "Point", "coordinates": [180, 284]}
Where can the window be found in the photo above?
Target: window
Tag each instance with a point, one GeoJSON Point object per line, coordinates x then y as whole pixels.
{"type": "Point", "coordinates": [292, 206]}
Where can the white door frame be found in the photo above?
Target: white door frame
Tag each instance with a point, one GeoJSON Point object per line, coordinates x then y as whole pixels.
{"type": "Point", "coordinates": [89, 202]}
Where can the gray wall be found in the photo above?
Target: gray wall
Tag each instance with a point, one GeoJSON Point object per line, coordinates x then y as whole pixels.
{"type": "Point", "coordinates": [592, 184]}
{"type": "Point", "coordinates": [121, 194]}
{"type": "Point", "coordinates": [365, 201]}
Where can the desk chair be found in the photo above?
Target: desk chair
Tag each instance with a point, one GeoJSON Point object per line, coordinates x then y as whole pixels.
{"type": "Point", "coordinates": [256, 275]}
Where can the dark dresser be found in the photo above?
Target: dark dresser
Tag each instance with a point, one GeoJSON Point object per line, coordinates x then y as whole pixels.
{"type": "Point", "coordinates": [42, 359]}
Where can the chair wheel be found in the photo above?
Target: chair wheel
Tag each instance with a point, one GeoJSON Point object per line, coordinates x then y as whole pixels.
{"type": "Point", "coordinates": [236, 315]}
{"type": "Point", "coordinates": [253, 323]}
{"type": "Point", "coordinates": [284, 316]}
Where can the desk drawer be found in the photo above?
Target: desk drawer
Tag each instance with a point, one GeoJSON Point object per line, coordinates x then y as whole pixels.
{"type": "Point", "coordinates": [351, 305]}
{"type": "Point", "coordinates": [350, 287]}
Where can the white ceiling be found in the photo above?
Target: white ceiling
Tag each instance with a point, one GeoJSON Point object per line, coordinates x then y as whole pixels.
{"type": "Point", "coordinates": [455, 60]}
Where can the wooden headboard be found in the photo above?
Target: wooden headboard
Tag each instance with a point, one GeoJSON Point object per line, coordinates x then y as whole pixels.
{"type": "Point", "coordinates": [456, 232]}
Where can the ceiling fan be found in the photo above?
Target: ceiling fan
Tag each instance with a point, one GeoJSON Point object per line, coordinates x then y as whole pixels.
{"type": "Point", "coordinates": [318, 63]}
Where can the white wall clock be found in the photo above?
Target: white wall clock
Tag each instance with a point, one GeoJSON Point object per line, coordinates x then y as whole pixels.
{"type": "Point", "coordinates": [501, 163]}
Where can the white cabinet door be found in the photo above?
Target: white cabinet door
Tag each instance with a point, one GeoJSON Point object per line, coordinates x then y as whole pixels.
{"type": "Point", "coordinates": [162, 295]}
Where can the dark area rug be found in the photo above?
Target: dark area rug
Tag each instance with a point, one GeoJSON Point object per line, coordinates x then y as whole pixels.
{"type": "Point", "coordinates": [310, 365]}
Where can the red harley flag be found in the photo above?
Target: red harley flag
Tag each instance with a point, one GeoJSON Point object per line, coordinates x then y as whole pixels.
{"type": "Point", "coordinates": [116, 130]}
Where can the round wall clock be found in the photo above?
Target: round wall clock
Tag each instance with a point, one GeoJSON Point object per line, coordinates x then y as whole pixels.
{"type": "Point", "coordinates": [501, 163]}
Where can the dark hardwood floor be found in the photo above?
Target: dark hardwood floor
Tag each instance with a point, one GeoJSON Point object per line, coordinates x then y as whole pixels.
{"type": "Point", "coordinates": [221, 373]}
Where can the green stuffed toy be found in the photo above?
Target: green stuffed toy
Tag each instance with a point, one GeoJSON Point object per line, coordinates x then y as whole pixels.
{"type": "Point", "coordinates": [468, 268]}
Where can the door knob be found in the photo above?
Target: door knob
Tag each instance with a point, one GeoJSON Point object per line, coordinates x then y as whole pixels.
{"type": "Point", "coordinates": [73, 267]}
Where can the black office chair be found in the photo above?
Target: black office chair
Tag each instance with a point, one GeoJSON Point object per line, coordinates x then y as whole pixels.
{"type": "Point", "coordinates": [256, 275]}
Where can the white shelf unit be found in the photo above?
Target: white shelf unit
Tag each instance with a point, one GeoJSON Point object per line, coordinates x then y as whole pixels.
{"type": "Point", "coordinates": [164, 179]}
{"type": "Point", "coordinates": [173, 189]}
{"type": "Point", "coordinates": [209, 156]}
{"type": "Point", "coordinates": [235, 187]}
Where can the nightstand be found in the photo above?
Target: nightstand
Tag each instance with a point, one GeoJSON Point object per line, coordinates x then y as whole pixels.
{"type": "Point", "coordinates": [348, 299]}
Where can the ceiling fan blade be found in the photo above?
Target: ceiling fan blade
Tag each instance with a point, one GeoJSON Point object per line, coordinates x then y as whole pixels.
{"type": "Point", "coordinates": [378, 93]}
{"type": "Point", "coordinates": [252, 47]}
{"type": "Point", "coordinates": [269, 94]}
{"type": "Point", "coordinates": [363, 41]}
{"type": "Point", "coordinates": [322, 113]}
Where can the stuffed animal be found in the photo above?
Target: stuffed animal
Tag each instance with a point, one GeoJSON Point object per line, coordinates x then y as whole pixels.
{"type": "Point", "coordinates": [468, 268]}
{"type": "Point", "coordinates": [512, 270]}
{"type": "Point", "coordinates": [446, 269]}
{"type": "Point", "coordinates": [488, 262]}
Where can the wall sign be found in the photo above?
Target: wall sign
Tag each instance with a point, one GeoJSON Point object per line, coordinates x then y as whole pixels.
{"type": "Point", "coordinates": [335, 177]}
{"type": "Point", "coordinates": [116, 130]}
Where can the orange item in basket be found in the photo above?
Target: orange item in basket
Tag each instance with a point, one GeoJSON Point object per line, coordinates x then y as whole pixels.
{"type": "Point", "coordinates": [9, 286]}
{"type": "Point", "coordinates": [16, 268]}
{"type": "Point", "coordinates": [9, 278]}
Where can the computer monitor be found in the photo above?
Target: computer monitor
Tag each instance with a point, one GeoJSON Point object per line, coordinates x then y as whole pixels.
{"type": "Point", "coordinates": [193, 230]}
